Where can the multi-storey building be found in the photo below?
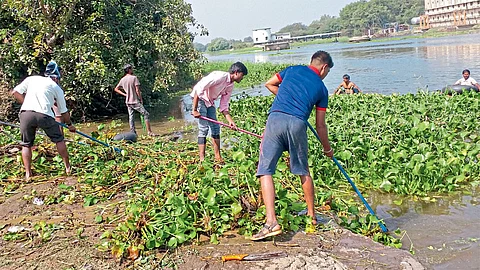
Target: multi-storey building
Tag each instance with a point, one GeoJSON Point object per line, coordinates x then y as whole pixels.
{"type": "Point", "coordinates": [451, 13]}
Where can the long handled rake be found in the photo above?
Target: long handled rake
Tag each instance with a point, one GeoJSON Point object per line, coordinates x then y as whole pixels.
{"type": "Point", "coordinates": [380, 223]}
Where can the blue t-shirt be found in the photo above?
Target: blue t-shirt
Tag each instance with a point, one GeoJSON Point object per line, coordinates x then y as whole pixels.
{"type": "Point", "coordinates": [301, 87]}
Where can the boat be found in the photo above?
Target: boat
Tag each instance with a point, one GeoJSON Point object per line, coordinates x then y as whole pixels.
{"type": "Point", "coordinates": [359, 39]}
{"type": "Point", "coordinates": [449, 89]}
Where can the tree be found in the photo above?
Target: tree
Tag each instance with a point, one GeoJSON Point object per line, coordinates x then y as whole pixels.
{"type": "Point", "coordinates": [326, 24]}
{"type": "Point", "coordinates": [248, 39]}
{"type": "Point", "coordinates": [295, 29]}
{"type": "Point", "coordinates": [92, 40]}
{"type": "Point", "coordinates": [199, 47]}
{"type": "Point", "coordinates": [218, 44]}
{"type": "Point", "coordinates": [360, 16]}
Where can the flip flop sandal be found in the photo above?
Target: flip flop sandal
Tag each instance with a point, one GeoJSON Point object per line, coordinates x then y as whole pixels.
{"type": "Point", "coordinates": [267, 231]}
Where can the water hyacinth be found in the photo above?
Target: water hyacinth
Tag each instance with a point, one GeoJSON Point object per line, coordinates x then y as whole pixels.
{"type": "Point", "coordinates": [405, 144]}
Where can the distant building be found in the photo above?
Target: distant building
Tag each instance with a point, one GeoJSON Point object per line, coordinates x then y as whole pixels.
{"type": "Point", "coordinates": [262, 35]}
{"type": "Point", "coordinates": [282, 36]}
{"type": "Point", "coordinates": [450, 13]}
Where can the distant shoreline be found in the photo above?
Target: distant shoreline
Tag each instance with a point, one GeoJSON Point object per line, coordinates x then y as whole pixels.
{"type": "Point", "coordinates": [432, 33]}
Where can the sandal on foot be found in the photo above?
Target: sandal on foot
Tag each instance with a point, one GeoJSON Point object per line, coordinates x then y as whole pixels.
{"type": "Point", "coordinates": [267, 231]}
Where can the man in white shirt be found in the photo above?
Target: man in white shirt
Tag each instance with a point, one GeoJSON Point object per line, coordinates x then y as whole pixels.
{"type": "Point", "coordinates": [38, 94]}
{"type": "Point", "coordinates": [467, 80]}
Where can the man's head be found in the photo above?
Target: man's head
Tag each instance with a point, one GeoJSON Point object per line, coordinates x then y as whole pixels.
{"type": "Point", "coordinates": [237, 71]}
{"type": "Point", "coordinates": [323, 62]}
{"type": "Point", "coordinates": [346, 78]}
{"type": "Point", "coordinates": [128, 68]}
{"type": "Point", "coordinates": [466, 74]}
{"type": "Point", "coordinates": [53, 71]}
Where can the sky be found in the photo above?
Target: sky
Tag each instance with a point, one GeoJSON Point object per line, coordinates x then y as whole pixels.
{"type": "Point", "coordinates": [237, 19]}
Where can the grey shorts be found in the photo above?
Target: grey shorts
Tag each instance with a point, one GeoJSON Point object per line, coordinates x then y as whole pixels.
{"type": "Point", "coordinates": [30, 121]}
{"type": "Point", "coordinates": [284, 132]}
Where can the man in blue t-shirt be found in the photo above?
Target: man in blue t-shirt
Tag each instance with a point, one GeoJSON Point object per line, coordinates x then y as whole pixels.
{"type": "Point", "coordinates": [297, 90]}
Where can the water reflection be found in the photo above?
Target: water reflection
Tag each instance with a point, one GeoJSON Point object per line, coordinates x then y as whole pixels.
{"type": "Point", "coordinates": [444, 232]}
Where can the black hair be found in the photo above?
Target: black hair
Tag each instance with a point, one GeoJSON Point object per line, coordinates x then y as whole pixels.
{"type": "Point", "coordinates": [466, 70]}
{"type": "Point", "coordinates": [238, 67]}
{"type": "Point", "coordinates": [323, 57]}
{"type": "Point", "coordinates": [127, 67]}
{"type": "Point", "coordinates": [346, 76]}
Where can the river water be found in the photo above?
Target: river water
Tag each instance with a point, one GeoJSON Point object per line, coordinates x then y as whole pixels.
{"type": "Point", "coordinates": [446, 233]}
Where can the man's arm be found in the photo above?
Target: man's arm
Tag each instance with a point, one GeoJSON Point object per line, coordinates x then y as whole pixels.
{"type": "Point", "coordinates": [229, 119]}
{"type": "Point", "coordinates": [323, 132]}
{"type": "Point", "coordinates": [139, 93]}
{"type": "Point", "coordinates": [272, 84]}
{"type": "Point", "coordinates": [356, 86]}
{"type": "Point", "coordinates": [68, 121]}
{"type": "Point", "coordinates": [117, 89]}
{"type": "Point", "coordinates": [458, 82]}
{"type": "Point", "coordinates": [195, 111]}
{"type": "Point", "coordinates": [19, 97]}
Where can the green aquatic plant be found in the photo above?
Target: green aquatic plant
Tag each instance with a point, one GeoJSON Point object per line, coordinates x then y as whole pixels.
{"type": "Point", "coordinates": [404, 144]}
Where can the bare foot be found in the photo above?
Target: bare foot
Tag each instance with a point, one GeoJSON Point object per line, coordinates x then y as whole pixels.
{"type": "Point", "coordinates": [68, 171]}
{"type": "Point", "coordinates": [152, 134]}
{"type": "Point", "coordinates": [28, 175]}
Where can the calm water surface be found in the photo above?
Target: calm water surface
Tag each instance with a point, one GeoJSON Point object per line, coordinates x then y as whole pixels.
{"type": "Point", "coordinates": [402, 66]}
{"type": "Point", "coordinates": [446, 233]}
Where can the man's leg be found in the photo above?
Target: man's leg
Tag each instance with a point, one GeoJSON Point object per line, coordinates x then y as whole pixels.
{"type": "Point", "coordinates": [131, 118]}
{"type": "Point", "coordinates": [62, 150]}
{"type": "Point", "coordinates": [268, 195]}
{"type": "Point", "coordinates": [215, 130]}
{"type": "Point", "coordinates": [203, 126]}
{"type": "Point", "coordinates": [308, 190]}
{"type": "Point", "coordinates": [201, 147]}
{"type": "Point", "coordinates": [27, 161]}
{"type": "Point", "coordinates": [216, 147]}
{"type": "Point", "coordinates": [146, 116]}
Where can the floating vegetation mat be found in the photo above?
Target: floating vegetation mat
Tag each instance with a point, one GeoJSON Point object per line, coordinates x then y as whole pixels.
{"type": "Point", "coordinates": [414, 145]}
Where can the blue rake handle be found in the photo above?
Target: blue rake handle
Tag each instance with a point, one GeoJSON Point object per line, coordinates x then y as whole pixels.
{"type": "Point", "coordinates": [91, 138]}
{"type": "Point", "coordinates": [380, 223]}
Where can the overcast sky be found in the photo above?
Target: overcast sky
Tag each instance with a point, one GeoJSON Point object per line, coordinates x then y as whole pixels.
{"type": "Point", "coordinates": [236, 19]}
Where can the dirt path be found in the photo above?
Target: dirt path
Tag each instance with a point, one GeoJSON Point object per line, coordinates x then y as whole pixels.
{"type": "Point", "coordinates": [66, 236]}
{"type": "Point", "coordinates": [336, 249]}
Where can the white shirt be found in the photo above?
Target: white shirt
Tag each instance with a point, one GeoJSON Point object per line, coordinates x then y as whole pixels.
{"type": "Point", "coordinates": [41, 94]}
{"type": "Point", "coordinates": [469, 81]}
{"type": "Point", "coordinates": [215, 84]}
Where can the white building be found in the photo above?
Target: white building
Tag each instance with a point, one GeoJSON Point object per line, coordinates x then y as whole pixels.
{"type": "Point", "coordinates": [262, 35]}
{"type": "Point", "coordinates": [281, 36]}
{"type": "Point", "coordinates": [451, 13]}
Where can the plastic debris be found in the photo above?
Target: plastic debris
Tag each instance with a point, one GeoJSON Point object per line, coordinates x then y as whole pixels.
{"type": "Point", "coordinates": [16, 229]}
{"type": "Point", "coordinates": [37, 201]}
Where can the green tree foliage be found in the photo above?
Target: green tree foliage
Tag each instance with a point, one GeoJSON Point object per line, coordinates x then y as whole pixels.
{"type": "Point", "coordinates": [358, 17]}
{"type": "Point", "coordinates": [218, 44]}
{"type": "Point", "coordinates": [326, 24]}
{"type": "Point", "coordinates": [199, 47]}
{"type": "Point", "coordinates": [295, 29]}
{"type": "Point", "coordinates": [92, 40]}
